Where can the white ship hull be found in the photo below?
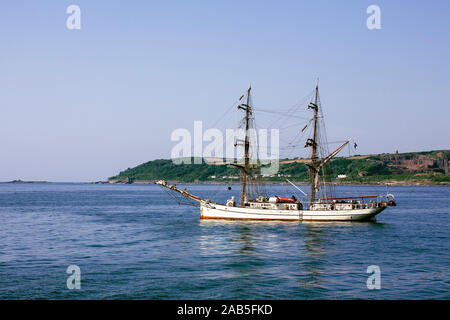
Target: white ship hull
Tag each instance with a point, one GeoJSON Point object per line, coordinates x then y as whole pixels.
{"type": "Point", "coordinates": [217, 211]}
{"type": "Point", "coordinates": [341, 215]}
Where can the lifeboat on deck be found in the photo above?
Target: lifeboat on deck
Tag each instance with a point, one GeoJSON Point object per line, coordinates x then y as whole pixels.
{"type": "Point", "coordinates": [277, 199]}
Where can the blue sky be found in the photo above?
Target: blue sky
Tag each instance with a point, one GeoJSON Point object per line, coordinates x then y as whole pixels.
{"type": "Point", "coordinates": [82, 105]}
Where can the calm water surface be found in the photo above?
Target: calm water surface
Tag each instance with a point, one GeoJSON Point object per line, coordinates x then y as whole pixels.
{"type": "Point", "coordinates": [134, 242]}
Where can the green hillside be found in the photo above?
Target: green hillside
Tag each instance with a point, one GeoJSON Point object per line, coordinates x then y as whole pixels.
{"type": "Point", "coordinates": [414, 167]}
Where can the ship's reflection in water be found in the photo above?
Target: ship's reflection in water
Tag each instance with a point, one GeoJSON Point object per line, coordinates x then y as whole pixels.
{"type": "Point", "coordinates": [245, 240]}
{"type": "Point", "coordinates": [244, 247]}
{"type": "Point", "coordinates": [293, 253]}
{"type": "Point", "coordinates": [311, 265]}
{"type": "Point", "coordinates": [235, 244]}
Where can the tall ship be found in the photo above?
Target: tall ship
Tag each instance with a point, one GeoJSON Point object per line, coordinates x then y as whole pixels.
{"type": "Point", "coordinates": [320, 205]}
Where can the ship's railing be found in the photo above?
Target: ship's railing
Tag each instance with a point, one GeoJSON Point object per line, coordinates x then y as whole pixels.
{"type": "Point", "coordinates": [347, 198]}
{"type": "Point", "coordinates": [351, 202]}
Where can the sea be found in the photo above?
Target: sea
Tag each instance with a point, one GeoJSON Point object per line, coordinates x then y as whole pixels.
{"type": "Point", "coordinates": [102, 241]}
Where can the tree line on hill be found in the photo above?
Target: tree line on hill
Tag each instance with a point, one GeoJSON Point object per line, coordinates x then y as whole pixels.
{"type": "Point", "coordinates": [422, 167]}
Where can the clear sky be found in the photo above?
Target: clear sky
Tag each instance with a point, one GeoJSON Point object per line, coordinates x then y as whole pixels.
{"type": "Point", "coordinates": [82, 105]}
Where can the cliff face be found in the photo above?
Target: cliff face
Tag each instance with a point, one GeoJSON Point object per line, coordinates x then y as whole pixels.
{"type": "Point", "coordinates": [434, 161]}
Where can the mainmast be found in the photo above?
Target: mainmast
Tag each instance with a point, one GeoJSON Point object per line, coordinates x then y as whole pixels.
{"type": "Point", "coordinates": [314, 166]}
{"type": "Point", "coordinates": [316, 163]}
{"type": "Point", "coordinates": [248, 112]}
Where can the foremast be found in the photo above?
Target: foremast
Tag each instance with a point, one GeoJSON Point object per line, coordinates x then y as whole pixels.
{"type": "Point", "coordinates": [316, 163]}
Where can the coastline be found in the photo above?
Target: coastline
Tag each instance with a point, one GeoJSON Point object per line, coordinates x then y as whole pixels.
{"type": "Point", "coordinates": [300, 183]}
{"type": "Point", "coordinates": [406, 183]}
